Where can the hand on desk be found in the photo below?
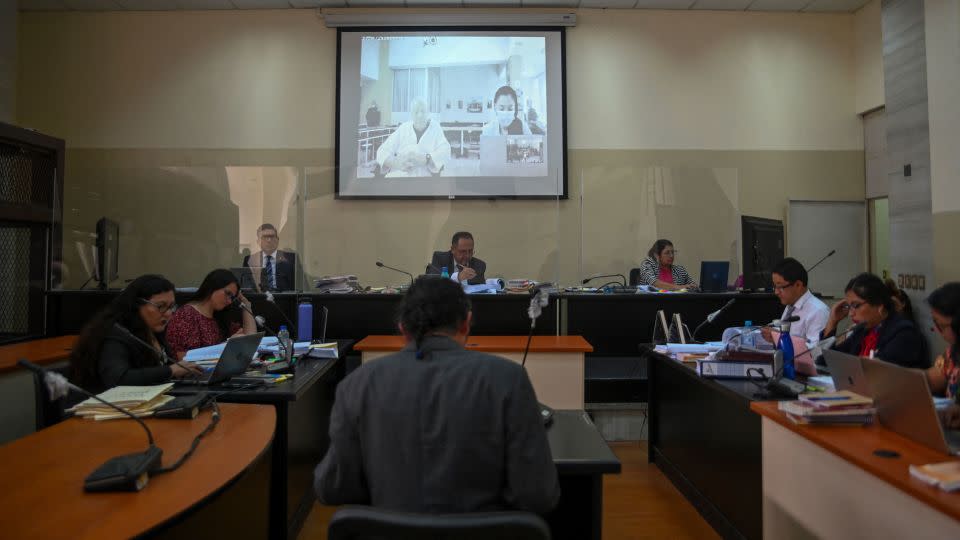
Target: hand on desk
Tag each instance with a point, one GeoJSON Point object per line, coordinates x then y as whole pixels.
{"type": "Point", "coordinates": [950, 417]}
{"type": "Point", "coordinates": [767, 333]}
{"type": "Point", "coordinates": [181, 370]}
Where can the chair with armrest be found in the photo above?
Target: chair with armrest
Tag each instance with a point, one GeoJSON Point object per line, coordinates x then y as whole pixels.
{"type": "Point", "coordinates": [365, 523]}
{"type": "Point", "coordinates": [634, 277]}
{"type": "Point", "coordinates": [49, 412]}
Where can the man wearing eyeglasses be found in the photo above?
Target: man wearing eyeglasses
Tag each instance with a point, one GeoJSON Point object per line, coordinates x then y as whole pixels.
{"type": "Point", "coordinates": [790, 286]}
{"type": "Point", "coordinates": [459, 261]}
{"type": "Point", "coordinates": [275, 270]}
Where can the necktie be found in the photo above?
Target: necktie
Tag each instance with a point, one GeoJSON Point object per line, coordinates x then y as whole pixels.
{"type": "Point", "coordinates": [268, 269]}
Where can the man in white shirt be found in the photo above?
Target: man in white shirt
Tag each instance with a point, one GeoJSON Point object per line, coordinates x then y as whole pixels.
{"type": "Point", "coordinates": [790, 286]}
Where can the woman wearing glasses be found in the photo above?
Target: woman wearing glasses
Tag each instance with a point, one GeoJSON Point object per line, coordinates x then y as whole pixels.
{"type": "Point", "coordinates": [124, 343]}
{"type": "Point", "coordinates": [884, 334]}
{"type": "Point", "coordinates": [658, 269]}
{"type": "Point", "coordinates": [212, 315]}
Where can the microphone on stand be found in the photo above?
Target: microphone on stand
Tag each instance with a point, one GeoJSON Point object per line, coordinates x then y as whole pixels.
{"type": "Point", "coordinates": [381, 265]}
{"type": "Point", "coordinates": [825, 257]}
{"type": "Point", "coordinates": [269, 297]}
{"type": "Point", "coordinates": [129, 472]}
{"type": "Point", "coordinates": [591, 278]}
{"type": "Point", "coordinates": [713, 316]}
{"type": "Point", "coordinates": [539, 299]}
{"type": "Point", "coordinates": [261, 322]}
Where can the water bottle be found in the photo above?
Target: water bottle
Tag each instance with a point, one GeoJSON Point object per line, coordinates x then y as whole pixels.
{"type": "Point", "coordinates": [444, 273]}
{"type": "Point", "coordinates": [748, 335]}
{"type": "Point", "coordinates": [283, 343]}
{"type": "Point", "coordinates": [786, 347]}
{"type": "Point", "coordinates": [305, 321]}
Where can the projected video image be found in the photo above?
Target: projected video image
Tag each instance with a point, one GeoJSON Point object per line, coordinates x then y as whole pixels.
{"type": "Point", "coordinates": [452, 106]}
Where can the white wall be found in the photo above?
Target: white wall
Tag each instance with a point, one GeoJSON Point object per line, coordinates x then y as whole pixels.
{"type": "Point", "coordinates": [266, 79]}
{"type": "Point", "coordinates": [868, 57]}
{"type": "Point", "coordinates": [943, 90]}
{"type": "Point", "coordinates": [8, 61]}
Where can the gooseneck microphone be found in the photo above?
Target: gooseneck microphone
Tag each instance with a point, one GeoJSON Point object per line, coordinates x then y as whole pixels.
{"type": "Point", "coordinates": [591, 278]}
{"type": "Point", "coordinates": [825, 257]}
{"type": "Point", "coordinates": [129, 472]}
{"type": "Point", "coordinates": [381, 265]}
{"type": "Point", "coordinates": [270, 298]}
{"type": "Point", "coordinates": [713, 316]}
{"type": "Point", "coordinates": [539, 299]}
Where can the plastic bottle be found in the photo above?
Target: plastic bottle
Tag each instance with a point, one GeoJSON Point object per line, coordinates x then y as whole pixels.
{"type": "Point", "coordinates": [305, 321]}
{"type": "Point", "coordinates": [284, 343]}
{"type": "Point", "coordinates": [786, 346]}
{"type": "Point", "coordinates": [748, 335]}
{"type": "Point", "coordinates": [444, 273]}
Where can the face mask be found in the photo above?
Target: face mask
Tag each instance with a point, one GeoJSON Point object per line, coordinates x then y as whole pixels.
{"type": "Point", "coordinates": [505, 118]}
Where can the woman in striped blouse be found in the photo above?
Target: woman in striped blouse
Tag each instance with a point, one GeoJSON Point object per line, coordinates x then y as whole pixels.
{"type": "Point", "coordinates": [658, 269]}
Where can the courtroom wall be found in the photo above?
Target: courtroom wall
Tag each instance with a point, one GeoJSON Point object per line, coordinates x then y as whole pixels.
{"type": "Point", "coordinates": [162, 108]}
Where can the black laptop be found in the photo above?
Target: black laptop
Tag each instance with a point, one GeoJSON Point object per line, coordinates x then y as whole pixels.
{"type": "Point", "coordinates": [236, 357]}
{"type": "Point", "coordinates": [714, 275]}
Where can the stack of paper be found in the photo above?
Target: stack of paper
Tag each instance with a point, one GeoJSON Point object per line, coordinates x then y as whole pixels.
{"type": "Point", "coordinates": [338, 284]}
{"type": "Point", "coordinates": [945, 475]}
{"type": "Point", "coordinates": [139, 400]}
{"type": "Point", "coordinates": [843, 407]}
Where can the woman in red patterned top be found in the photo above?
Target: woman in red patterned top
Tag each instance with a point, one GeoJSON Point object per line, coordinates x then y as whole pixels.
{"type": "Point", "coordinates": [210, 317]}
{"type": "Point", "coordinates": [944, 376]}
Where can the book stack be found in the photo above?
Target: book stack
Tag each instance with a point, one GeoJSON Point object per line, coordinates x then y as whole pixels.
{"type": "Point", "coordinates": [139, 400]}
{"type": "Point", "coordinates": [843, 407]}
{"type": "Point", "coordinates": [945, 476]}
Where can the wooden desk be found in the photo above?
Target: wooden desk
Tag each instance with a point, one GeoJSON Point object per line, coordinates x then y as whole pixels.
{"type": "Point", "coordinates": [555, 363]}
{"type": "Point", "coordinates": [43, 473]}
{"type": "Point", "coordinates": [39, 351]}
{"type": "Point", "coordinates": [826, 481]}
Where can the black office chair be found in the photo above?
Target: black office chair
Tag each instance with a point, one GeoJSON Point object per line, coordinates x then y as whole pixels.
{"type": "Point", "coordinates": [366, 523]}
{"type": "Point", "coordinates": [634, 277]}
{"type": "Point", "coordinates": [48, 412]}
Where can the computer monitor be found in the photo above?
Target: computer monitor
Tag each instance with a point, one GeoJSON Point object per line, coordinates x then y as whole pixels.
{"type": "Point", "coordinates": [714, 275]}
{"type": "Point", "coordinates": [762, 248]}
{"type": "Point", "coordinates": [108, 246]}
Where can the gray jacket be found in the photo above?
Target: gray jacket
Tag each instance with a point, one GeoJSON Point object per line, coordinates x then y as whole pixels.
{"type": "Point", "coordinates": [455, 431]}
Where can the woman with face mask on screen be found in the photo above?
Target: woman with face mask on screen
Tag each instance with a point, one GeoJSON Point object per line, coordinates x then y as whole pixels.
{"type": "Point", "coordinates": [508, 121]}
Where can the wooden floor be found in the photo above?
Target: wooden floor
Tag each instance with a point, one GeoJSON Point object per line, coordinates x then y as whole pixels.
{"type": "Point", "coordinates": [638, 503]}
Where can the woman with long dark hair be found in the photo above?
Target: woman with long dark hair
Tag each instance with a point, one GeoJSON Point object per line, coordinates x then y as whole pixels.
{"type": "Point", "coordinates": [659, 270]}
{"type": "Point", "coordinates": [944, 376]}
{"type": "Point", "coordinates": [884, 333]}
{"type": "Point", "coordinates": [211, 315]}
{"type": "Point", "coordinates": [124, 343]}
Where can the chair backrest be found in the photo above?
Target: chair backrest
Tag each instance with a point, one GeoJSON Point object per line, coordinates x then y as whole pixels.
{"type": "Point", "coordinates": [634, 277]}
{"type": "Point", "coordinates": [367, 523]}
{"type": "Point", "coordinates": [48, 412]}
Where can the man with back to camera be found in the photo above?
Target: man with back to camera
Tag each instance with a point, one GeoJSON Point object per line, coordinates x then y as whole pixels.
{"type": "Point", "coordinates": [790, 286]}
{"type": "Point", "coordinates": [459, 261]}
{"type": "Point", "coordinates": [277, 269]}
{"type": "Point", "coordinates": [435, 427]}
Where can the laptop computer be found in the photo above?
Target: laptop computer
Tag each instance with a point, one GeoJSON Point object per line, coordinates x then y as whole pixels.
{"type": "Point", "coordinates": [905, 405]}
{"type": "Point", "coordinates": [847, 372]}
{"type": "Point", "coordinates": [713, 276]}
{"type": "Point", "coordinates": [234, 360]}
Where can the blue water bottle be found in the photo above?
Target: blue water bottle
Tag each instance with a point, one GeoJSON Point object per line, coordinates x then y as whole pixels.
{"type": "Point", "coordinates": [786, 346]}
{"type": "Point", "coordinates": [444, 273]}
{"type": "Point", "coordinates": [305, 321]}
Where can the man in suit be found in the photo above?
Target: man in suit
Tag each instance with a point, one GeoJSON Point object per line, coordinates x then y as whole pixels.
{"type": "Point", "coordinates": [459, 261]}
{"type": "Point", "coordinates": [435, 427]}
{"type": "Point", "coordinates": [272, 269]}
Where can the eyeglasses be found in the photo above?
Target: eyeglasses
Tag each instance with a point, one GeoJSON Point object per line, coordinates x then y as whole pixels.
{"type": "Point", "coordinates": [782, 287]}
{"type": "Point", "coordinates": [669, 253]}
{"type": "Point", "coordinates": [855, 305]}
{"type": "Point", "coordinates": [163, 308]}
{"type": "Point", "coordinates": [269, 237]}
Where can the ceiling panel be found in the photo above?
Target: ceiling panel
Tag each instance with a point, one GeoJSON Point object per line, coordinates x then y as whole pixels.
{"type": "Point", "coordinates": [844, 6]}
{"type": "Point", "coordinates": [550, 3]}
{"type": "Point", "coordinates": [778, 5]}
{"type": "Point", "coordinates": [664, 4]}
{"type": "Point", "coordinates": [491, 3]}
{"type": "Point", "coordinates": [440, 3]}
{"type": "Point", "coordinates": [721, 5]}
{"type": "Point", "coordinates": [375, 3]}
{"type": "Point", "coordinates": [261, 4]}
{"type": "Point", "coordinates": [148, 5]}
{"type": "Point", "coordinates": [623, 4]}
{"type": "Point", "coordinates": [42, 5]}
{"type": "Point", "coordinates": [203, 4]}
{"type": "Point", "coordinates": [315, 3]}
{"type": "Point", "coordinates": [93, 5]}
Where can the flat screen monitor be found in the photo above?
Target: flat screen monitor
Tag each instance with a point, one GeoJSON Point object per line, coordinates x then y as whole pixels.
{"type": "Point", "coordinates": [450, 113]}
{"type": "Point", "coordinates": [762, 248]}
{"type": "Point", "coordinates": [108, 246]}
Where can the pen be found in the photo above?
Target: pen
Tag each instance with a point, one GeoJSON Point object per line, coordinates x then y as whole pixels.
{"type": "Point", "coordinates": [827, 398]}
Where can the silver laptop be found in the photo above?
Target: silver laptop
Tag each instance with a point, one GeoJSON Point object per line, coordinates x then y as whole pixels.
{"type": "Point", "coordinates": [847, 372]}
{"type": "Point", "coordinates": [234, 360]}
{"type": "Point", "coordinates": [905, 405]}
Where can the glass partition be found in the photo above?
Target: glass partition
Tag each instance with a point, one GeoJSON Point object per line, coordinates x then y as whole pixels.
{"type": "Point", "coordinates": [181, 222]}
{"type": "Point", "coordinates": [625, 209]}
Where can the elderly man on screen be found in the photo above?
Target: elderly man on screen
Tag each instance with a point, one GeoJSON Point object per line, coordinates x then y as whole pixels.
{"type": "Point", "coordinates": [418, 148]}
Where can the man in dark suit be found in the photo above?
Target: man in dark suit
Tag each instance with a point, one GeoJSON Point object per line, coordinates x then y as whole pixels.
{"type": "Point", "coordinates": [459, 261]}
{"type": "Point", "coordinates": [435, 427]}
{"type": "Point", "coordinates": [271, 269]}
